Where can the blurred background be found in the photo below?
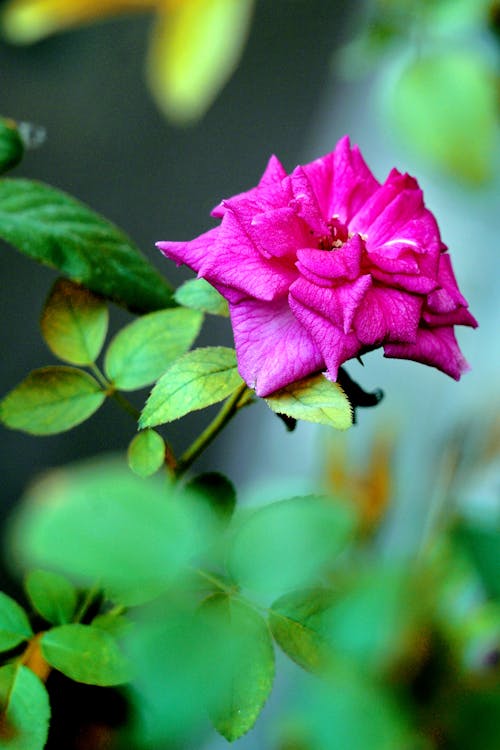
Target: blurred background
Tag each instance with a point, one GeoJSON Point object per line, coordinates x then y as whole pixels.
{"type": "Point", "coordinates": [415, 84]}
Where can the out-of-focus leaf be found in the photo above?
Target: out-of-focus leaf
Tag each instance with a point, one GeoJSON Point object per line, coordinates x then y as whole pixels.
{"type": "Point", "coordinates": [51, 400]}
{"type": "Point", "coordinates": [11, 145]}
{"type": "Point", "coordinates": [198, 379]}
{"type": "Point", "coordinates": [216, 490]}
{"type": "Point", "coordinates": [14, 624]}
{"type": "Point", "coordinates": [85, 654]}
{"type": "Point", "coordinates": [195, 47]}
{"type": "Point", "coordinates": [144, 349]}
{"type": "Point", "coordinates": [370, 622]}
{"type": "Point", "coordinates": [116, 625]}
{"type": "Point", "coordinates": [59, 231]}
{"type": "Point", "coordinates": [198, 294]}
{"type": "Point", "coordinates": [74, 323]}
{"type": "Point", "coordinates": [52, 595]}
{"type": "Point", "coordinates": [27, 21]}
{"type": "Point", "coordinates": [446, 108]}
{"type": "Point", "coordinates": [242, 664]}
{"type": "Point", "coordinates": [348, 711]}
{"type": "Point", "coordinates": [290, 543]}
{"type": "Point", "coordinates": [483, 547]}
{"type": "Point", "coordinates": [146, 453]}
{"type": "Point", "coordinates": [168, 651]}
{"type": "Point", "coordinates": [314, 399]}
{"type": "Point", "coordinates": [101, 523]}
{"type": "Point", "coordinates": [24, 709]}
{"type": "Point", "coordinates": [296, 624]}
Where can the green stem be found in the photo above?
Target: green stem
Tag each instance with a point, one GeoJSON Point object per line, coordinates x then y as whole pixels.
{"type": "Point", "coordinates": [239, 398]}
{"type": "Point", "coordinates": [87, 600]}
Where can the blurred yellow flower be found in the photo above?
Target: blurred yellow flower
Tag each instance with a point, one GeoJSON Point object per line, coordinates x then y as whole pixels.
{"type": "Point", "coordinates": [195, 44]}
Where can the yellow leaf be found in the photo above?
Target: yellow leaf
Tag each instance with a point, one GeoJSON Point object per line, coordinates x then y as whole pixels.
{"type": "Point", "coordinates": [27, 21]}
{"type": "Point", "coordinates": [195, 47]}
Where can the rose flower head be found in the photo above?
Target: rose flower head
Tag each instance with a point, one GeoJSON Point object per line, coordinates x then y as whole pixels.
{"type": "Point", "coordinates": [325, 264]}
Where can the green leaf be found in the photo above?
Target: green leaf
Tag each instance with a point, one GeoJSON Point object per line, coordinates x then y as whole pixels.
{"type": "Point", "coordinates": [115, 625]}
{"type": "Point", "coordinates": [242, 664]}
{"type": "Point", "coordinates": [14, 624]}
{"type": "Point", "coordinates": [290, 543]}
{"type": "Point", "coordinates": [85, 654]}
{"type": "Point", "coordinates": [445, 105]}
{"type": "Point", "coordinates": [99, 522]}
{"type": "Point", "coordinates": [314, 399]}
{"type": "Point", "coordinates": [59, 231]}
{"type": "Point", "coordinates": [52, 595]}
{"type": "Point", "coordinates": [194, 50]}
{"type": "Point", "coordinates": [196, 380]}
{"type": "Point", "coordinates": [146, 453]}
{"type": "Point", "coordinates": [11, 145]}
{"type": "Point", "coordinates": [24, 719]}
{"type": "Point", "coordinates": [198, 294]}
{"type": "Point", "coordinates": [51, 400]}
{"type": "Point", "coordinates": [217, 491]}
{"type": "Point", "coordinates": [168, 650]}
{"type": "Point", "coordinates": [348, 711]}
{"type": "Point", "coordinates": [482, 546]}
{"type": "Point", "coordinates": [74, 323]}
{"type": "Point", "coordinates": [296, 623]}
{"type": "Point", "coordinates": [142, 351]}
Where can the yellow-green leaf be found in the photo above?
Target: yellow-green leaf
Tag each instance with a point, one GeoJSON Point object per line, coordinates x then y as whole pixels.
{"type": "Point", "coordinates": [25, 709]}
{"type": "Point", "coordinates": [74, 323]}
{"type": "Point", "coordinates": [144, 349]}
{"type": "Point", "coordinates": [14, 624]}
{"type": "Point", "coordinates": [146, 453]}
{"type": "Point", "coordinates": [198, 294]}
{"type": "Point", "coordinates": [51, 400]}
{"type": "Point", "coordinates": [52, 595]}
{"type": "Point", "coordinates": [196, 380]}
{"type": "Point", "coordinates": [314, 399]}
{"type": "Point", "coordinates": [85, 654]}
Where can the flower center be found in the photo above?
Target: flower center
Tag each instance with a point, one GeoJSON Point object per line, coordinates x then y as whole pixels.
{"type": "Point", "coordinates": [338, 234]}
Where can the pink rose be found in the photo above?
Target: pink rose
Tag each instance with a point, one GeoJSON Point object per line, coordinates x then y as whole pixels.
{"type": "Point", "coordinates": [324, 264]}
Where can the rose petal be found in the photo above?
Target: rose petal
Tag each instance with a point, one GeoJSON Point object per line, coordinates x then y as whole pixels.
{"type": "Point", "coordinates": [264, 194]}
{"type": "Point", "coordinates": [387, 315]}
{"type": "Point", "coordinates": [278, 233]}
{"type": "Point", "coordinates": [353, 182]}
{"type": "Point", "coordinates": [273, 349]}
{"type": "Point", "coordinates": [192, 253]}
{"type": "Point", "coordinates": [337, 305]}
{"type": "Point", "coordinates": [436, 347]}
{"type": "Point", "coordinates": [335, 345]}
{"type": "Point", "coordinates": [328, 267]}
{"type": "Point", "coordinates": [237, 263]}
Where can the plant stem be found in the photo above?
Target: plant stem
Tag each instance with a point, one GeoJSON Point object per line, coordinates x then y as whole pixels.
{"type": "Point", "coordinates": [239, 398]}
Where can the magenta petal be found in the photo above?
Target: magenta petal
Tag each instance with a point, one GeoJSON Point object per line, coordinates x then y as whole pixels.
{"type": "Point", "coordinates": [279, 232]}
{"type": "Point", "coordinates": [335, 345]}
{"type": "Point", "coordinates": [416, 284]}
{"type": "Point", "coordinates": [192, 253]}
{"type": "Point", "coordinates": [264, 193]}
{"type": "Point", "coordinates": [387, 315]}
{"type": "Point", "coordinates": [458, 317]}
{"type": "Point", "coordinates": [448, 297]}
{"type": "Point", "coordinates": [239, 264]}
{"type": "Point", "coordinates": [436, 347]}
{"type": "Point", "coordinates": [337, 305]}
{"type": "Point", "coordinates": [342, 263]}
{"type": "Point", "coordinates": [273, 349]}
{"type": "Point", "coordinates": [353, 182]}
{"type": "Point", "coordinates": [305, 202]}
